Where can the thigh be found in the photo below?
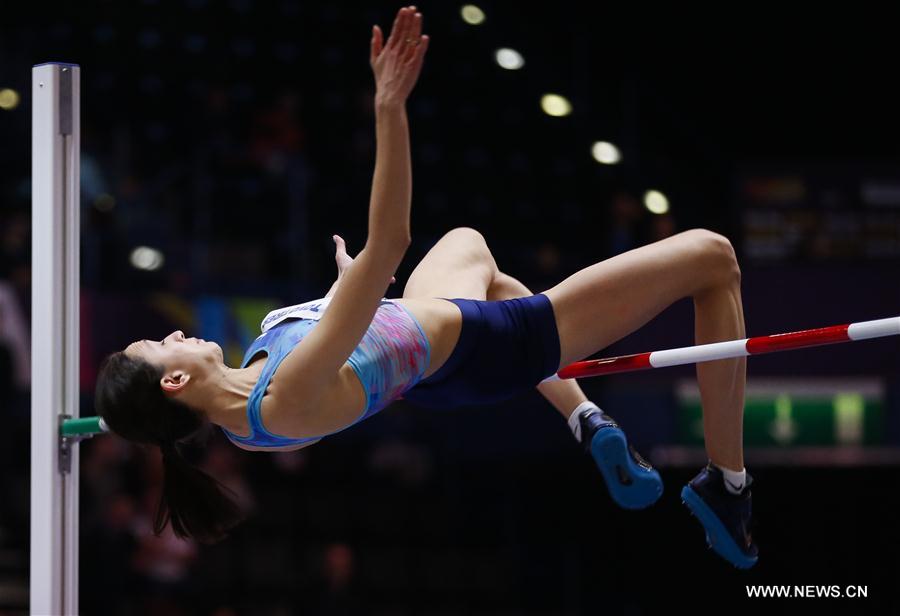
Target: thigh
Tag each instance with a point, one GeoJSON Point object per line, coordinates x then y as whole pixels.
{"type": "Point", "coordinates": [458, 265]}
{"type": "Point", "coordinates": [605, 302]}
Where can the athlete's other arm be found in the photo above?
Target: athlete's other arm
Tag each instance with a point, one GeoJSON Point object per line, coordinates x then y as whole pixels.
{"type": "Point", "coordinates": [313, 367]}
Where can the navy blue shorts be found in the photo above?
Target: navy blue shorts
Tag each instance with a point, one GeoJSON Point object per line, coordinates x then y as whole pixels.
{"type": "Point", "coordinates": [505, 347]}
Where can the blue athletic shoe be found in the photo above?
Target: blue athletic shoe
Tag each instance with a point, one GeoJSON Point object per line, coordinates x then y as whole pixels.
{"type": "Point", "coordinates": [724, 516]}
{"type": "Point", "coordinates": [631, 481]}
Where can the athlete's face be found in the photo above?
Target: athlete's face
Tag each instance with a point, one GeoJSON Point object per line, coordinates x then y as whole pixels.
{"type": "Point", "coordinates": [175, 352]}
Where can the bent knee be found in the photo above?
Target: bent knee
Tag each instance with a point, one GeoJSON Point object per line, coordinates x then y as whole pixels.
{"type": "Point", "coordinates": [466, 234]}
{"type": "Point", "coordinates": [719, 252]}
{"type": "Point", "coordinates": [473, 244]}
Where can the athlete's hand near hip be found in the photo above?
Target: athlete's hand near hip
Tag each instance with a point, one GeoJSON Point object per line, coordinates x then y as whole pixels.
{"type": "Point", "coordinates": [341, 257]}
{"type": "Point", "coordinates": [398, 62]}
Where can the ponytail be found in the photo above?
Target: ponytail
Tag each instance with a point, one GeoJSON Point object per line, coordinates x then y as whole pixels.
{"type": "Point", "coordinates": [193, 501]}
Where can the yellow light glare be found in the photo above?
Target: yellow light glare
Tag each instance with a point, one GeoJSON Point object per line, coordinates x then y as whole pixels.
{"type": "Point", "coordinates": [656, 202]}
{"type": "Point", "coordinates": [9, 99]}
{"type": "Point", "coordinates": [556, 105]}
{"type": "Point", "coordinates": [606, 153]}
{"type": "Point", "coordinates": [472, 15]}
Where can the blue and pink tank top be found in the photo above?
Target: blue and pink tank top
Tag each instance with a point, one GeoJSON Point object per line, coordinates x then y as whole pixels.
{"type": "Point", "coordinates": [390, 359]}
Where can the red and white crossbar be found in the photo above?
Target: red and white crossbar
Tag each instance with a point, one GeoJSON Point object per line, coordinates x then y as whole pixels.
{"type": "Point", "coordinates": [732, 348]}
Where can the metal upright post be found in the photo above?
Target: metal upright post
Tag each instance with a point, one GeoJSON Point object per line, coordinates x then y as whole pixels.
{"type": "Point", "coordinates": [54, 333]}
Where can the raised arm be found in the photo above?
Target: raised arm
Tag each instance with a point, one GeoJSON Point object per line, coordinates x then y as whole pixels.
{"type": "Point", "coordinates": [314, 364]}
{"type": "Point", "coordinates": [396, 66]}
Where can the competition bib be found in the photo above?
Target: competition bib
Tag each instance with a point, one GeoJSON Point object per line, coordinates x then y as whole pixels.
{"type": "Point", "coordinates": [308, 310]}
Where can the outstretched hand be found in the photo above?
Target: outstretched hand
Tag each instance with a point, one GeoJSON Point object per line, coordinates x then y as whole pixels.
{"type": "Point", "coordinates": [397, 63]}
{"type": "Point", "coordinates": [342, 258]}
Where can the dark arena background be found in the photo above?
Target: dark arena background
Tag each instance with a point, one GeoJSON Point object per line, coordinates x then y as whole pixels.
{"type": "Point", "coordinates": [224, 143]}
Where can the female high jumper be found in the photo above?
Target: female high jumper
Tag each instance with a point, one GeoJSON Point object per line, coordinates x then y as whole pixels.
{"type": "Point", "coordinates": [464, 333]}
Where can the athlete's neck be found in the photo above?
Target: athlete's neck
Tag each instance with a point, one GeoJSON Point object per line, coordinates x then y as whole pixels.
{"type": "Point", "coordinates": [225, 395]}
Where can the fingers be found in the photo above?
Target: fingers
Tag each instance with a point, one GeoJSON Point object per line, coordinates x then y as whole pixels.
{"type": "Point", "coordinates": [398, 20]}
{"type": "Point", "coordinates": [376, 43]}
{"type": "Point", "coordinates": [402, 25]}
{"type": "Point", "coordinates": [406, 39]}
{"type": "Point", "coordinates": [413, 41]}
{"type": "Point", "coordinates": [415, 27]}
{"type": "Point", "coordinates": [421, 48]}
{"type": "Point", "coordinates": [407, 28]}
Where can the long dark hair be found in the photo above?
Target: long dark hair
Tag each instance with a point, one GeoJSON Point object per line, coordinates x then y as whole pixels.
{"type": "Point", "coordinates": [129, 398]}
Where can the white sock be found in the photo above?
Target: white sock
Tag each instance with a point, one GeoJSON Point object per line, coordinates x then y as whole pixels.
{"type": "Point", "coordinates": [734, 480]}
{"type": "Point", "coordinates": [574, 424]}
